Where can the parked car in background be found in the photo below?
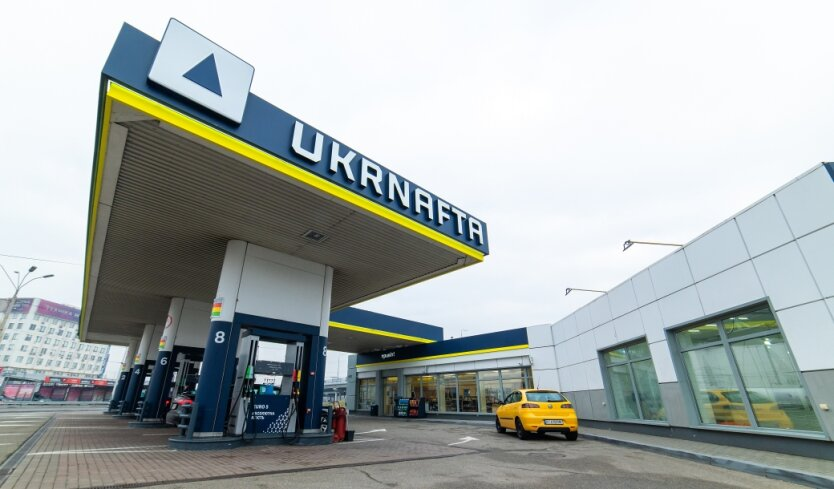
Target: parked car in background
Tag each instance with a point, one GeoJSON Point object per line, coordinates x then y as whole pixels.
{"type": "Point", "coordinates": [184, 399]}
{"type": "Point", "coordinates": [537, 411]}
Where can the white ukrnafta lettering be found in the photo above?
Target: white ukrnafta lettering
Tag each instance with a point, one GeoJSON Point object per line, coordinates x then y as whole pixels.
{"type": "Point", "coordinates": [402, 192]}
{"type": "Point", "coordinates": [337, 160]}
{"type": "Point", "coordinates": [423, 200]}
{"type": "Point", "coordinates": [475, 229]}
{"type": "Point", "coordinates": [459, 217]}
{"type": "Point", "coordinates": [318, 144]}
{"type": "Point", "coordinates": [443, 212]}
{"type": "Point", "coordinates": [370, 171]}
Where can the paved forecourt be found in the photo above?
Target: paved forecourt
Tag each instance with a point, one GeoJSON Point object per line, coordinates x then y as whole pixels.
{"type": "Point", "coordinates": [84, 450]}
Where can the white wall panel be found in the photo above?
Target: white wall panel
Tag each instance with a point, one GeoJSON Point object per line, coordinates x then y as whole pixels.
{"type": "Point", "coordinates": [785, 277]}
{"type": "Point", "coordinates": [622, 299]}
{"type": "Point", "coordinates": [514, 362]}
{"type": "Point", "coordinates": [587, 346]}
{"type": "Point", "coordinates": [736, 286]}
{"type": "Point", "coordinates": [763, 227]}
{"type": "Point", "coordinates": [681, 307]}
{"type": "Point", "coordinates": [564, 329]}
{"type": "Point", "coordinates": [818, 249]}
{"type": "Point", "coordinates": [539, 335]}
{"type": "Point", "coordinates": [809, 330]}
{"type": "Point", "coordinates": [643, 288]}
{"type": "Point", "coordinates": [583, 319]}
{"type": "Point", "coordinates": [628, 327]}
{"type": "Point", "coordinates": [574, 376]}
{"type": "Point", "coordinates": [716, 251]}
{"type": "Point", "coordinates": [464, 367]}
{"type": "Point", "coordinates": [594, 374]}
{"type": "Point", "coordinates": [600, 311]}
{"type": "Point", "coordinates": [195, 321]}
{"type": "Point", "coordinates": [670, 274]}
{"type": "Point", "coordinates": [808, 203]}
{"type": "Point", "coordinates": [662, 359]}
{"type": "Point", "coordinates": [567, 353]}
{"type": "Point", "coordinates": [546, 379]}
{"type": "Point", "coordinates": [604, 336]}
{"type": "Point", "coordinates": [544, 358]}
{"type": "Point", "coordinates": [652, 322]}
{"type": "Point", "coordinates": [279, 286]}
{"type": "Point", "coordinates": [486, 364]}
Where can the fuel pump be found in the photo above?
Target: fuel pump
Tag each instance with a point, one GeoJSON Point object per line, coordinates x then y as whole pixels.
{"type": "Point", "coordinates": [262, 407]}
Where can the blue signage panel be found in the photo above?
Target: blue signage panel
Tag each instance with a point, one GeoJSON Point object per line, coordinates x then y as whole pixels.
{"type": "Point", "coordinates": [294, 141]}
{"type": "Point", "coordinates": [460, 346]}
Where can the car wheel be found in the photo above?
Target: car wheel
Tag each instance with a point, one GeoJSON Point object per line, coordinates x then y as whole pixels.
{"type": "Point", "coordinates": [519, 430]}
{"type": "Point", "coordinates": [498, 426]}
{"type": "Point", "coordinates": [572, 435]}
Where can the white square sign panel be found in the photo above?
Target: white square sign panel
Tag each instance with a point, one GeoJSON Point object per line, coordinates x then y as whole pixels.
{"type": "Point", "coordinates": [200, 70]}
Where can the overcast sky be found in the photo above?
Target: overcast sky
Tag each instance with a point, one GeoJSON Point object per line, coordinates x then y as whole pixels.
{"type": "Point", "coordinates": [568, 127]}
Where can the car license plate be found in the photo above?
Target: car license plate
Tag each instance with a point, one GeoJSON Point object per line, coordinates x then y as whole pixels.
{"type": "Point", "coordinates": [553, 421]}
{"type": "Point", "coordinates": [174, 406]}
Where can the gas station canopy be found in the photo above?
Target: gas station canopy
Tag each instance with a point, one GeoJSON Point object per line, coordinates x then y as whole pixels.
{"type": "Point", "coordinates": [175, 180]}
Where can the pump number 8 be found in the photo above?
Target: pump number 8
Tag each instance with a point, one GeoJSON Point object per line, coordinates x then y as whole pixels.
{"type": "Point", "coordinates": [220, 337]}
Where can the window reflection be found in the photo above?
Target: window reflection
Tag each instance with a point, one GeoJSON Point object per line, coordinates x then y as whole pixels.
{"type": "Point", "coordinates": [749, 378]}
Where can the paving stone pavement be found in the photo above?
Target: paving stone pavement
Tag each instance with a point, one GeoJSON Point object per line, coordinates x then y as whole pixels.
{"type": "Point", "coordinates": [94, 450]}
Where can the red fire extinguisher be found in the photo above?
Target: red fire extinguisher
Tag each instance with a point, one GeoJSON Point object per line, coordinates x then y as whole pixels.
{"type": "Point", "coordinates": [339, 424]}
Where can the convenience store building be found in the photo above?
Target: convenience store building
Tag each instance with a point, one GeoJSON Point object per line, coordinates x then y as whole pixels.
{"type": "Point", "coordinates": [726, 340]}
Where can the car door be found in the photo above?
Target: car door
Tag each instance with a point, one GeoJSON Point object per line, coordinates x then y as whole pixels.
{"type": "Point", "coordinates": [507, 412]}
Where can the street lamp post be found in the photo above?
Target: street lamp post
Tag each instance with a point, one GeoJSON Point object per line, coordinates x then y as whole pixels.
{"type": "Point", "coordinates": [17, 284]}
{"type": "Point", "coordinates": [629, 242]}
{"type": "Point", "coordinates": [571, 289]}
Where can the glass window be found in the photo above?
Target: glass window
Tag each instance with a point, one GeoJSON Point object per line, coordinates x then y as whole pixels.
{"type": "Point", "coordinates": [366, 395]}
{"type": "Point", "coordinates": [489, 391]}
{"type": "Point", "coordinates": [545, 396]}
{"type": "Point", "coordinates": [622, 390]}
{"type": "Point", "coordinates": [412, 385]}
{"type": "Point", "coordinates": [510, 385]}
{"type": "Point", "coordinates": [633, 382]}
{"type": "Point", "coordinates": [772, 384]}
{"type": "Point", "coordinates": [699, 335]}
{"type": "Point", "coordinates": [468, 392]}
{"type": "Point", "coordinates": [429, 383]}
{"type": "Point", "coordinates": [450, 393]}
{"type": "Point", "coordinates": [749, 378]}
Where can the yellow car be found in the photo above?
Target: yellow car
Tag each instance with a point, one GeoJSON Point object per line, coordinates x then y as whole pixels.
{"type": "Point", "coordinates": [537, 411]}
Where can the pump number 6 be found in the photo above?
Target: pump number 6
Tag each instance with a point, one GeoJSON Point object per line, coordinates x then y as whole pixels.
{"type": "Point", "coordinates": [163, 361]}
{"type": "Point", "coordinates": [220, 337]}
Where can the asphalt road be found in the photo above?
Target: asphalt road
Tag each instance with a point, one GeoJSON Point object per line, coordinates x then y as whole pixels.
{"type": "Point", "coordinates": [16, 427]}
{"type": "Point", "coordinates": [495, 460]}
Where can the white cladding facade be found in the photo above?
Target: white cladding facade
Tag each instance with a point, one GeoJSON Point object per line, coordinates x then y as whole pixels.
{"type": "Point", "coordinates": [41, 340]}
{"type": "Point", "coordinates": [776, 256]}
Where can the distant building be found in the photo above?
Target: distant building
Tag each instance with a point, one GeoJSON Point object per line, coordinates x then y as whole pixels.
{"type": "Point", "coordinates": [41, 340]}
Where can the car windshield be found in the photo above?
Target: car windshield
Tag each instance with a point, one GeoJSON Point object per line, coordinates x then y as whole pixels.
{"type": "Point", "coordinates": [545, 396]}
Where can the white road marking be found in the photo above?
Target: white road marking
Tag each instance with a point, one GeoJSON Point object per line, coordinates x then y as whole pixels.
{"type": "Point", "coordinates": [81, 452]}
{"type": "Point", "coordinates": [367, 440]}
{"type": "Point", "coordinates": [465, 439]}
{"type": "Point", "coordinates": [6, 444]}
{"type": "Point", "coordinates": [15, 425]}
{"type": "Point", "coordinates": [147, 448]}
{"type": "Point", "coordinates": [372, 431]}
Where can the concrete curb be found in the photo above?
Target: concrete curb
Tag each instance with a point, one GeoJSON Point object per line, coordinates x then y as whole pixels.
{"type": "Point", "coordinates": [789, 475]}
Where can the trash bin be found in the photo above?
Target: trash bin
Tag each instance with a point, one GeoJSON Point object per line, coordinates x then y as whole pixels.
{"type": "Point", "coordinates": [374, 409]}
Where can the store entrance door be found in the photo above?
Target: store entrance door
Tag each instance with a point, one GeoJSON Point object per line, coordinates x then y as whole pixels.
{"type": "Point", "coordinates": [389, 396]}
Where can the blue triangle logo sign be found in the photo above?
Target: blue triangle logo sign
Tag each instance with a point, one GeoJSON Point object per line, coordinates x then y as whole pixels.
{"type": "Point", "coordinates": [204, 74]}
